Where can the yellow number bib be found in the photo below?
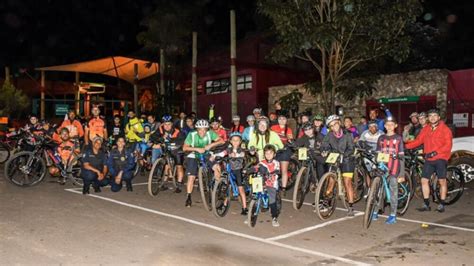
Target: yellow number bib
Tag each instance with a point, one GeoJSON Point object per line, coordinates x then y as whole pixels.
{"type": "Point", "coordinates": [383, 157]}
{"type": "Point", "coordinates": [302, 154]}
{"type": "Point", "coordinates": [257, 184]}
{"type": "Point", "coordinates": [243, 145]}
{"type": "Point", "coordinates": [332, 157]}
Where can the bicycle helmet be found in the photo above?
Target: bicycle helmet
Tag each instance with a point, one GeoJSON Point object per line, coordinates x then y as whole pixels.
{"type": "Point", "coordinates": [166, 118]}
{"type": "Point", "coordinates": [257, 110]}
{"type": "Point", "coordinates": [422, 114]}
{"type": "Point", "coordinates": [146, 125]}
{"type": "Point", "coordinates": [236, 118]}
{"type": "Point", "coordinates": [372, 123]}
{"type": "Point", "coordinates": [434, 111]}
{"type": "Point", "coordinates": [413, 114]}
{"type": "Point", "coordinates": [250, 118]}
{"type": "Point", "coordinates": [390, 119]}
{"type": "Point", "coordinates": [235, 134]}
{"type": "Point", "coordinates": [332, 118]}
{"type": "Point", "coordinates": [214, 120]}
{"type": "Point", "coordinates": [318, 117]}
{"type": "Point", "coordinates": [202, 124]}
{"type": "Point", "coordinates": [264, 119]}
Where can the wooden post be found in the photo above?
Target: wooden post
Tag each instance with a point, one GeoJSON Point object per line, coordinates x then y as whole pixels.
{"type": "Point", "coordinates": [43, 87]}
{"type": "Point", "coordinates": [162, 77]}
{"type": "Point", "coordinates": [194, 76]}
{"type": "Point", "coordinates": [77, 97]}
{"type": "Point", "coordinates": [7, 74]}
{"type": "Point", "coordinates": [233, 70]}
{"type": "Point", "coordinates": [135, 88]}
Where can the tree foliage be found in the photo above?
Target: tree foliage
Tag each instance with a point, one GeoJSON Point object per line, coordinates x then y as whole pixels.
{"type": "Point", "coordinates": [337, 36]}
{"type": "Point", "coordinates": [12, 101]}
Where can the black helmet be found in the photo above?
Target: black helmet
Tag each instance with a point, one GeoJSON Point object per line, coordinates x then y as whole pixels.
{"type": "Point", "coordinates": [307, 126]}
{"type": "Point", "coordinates": [433, 111]}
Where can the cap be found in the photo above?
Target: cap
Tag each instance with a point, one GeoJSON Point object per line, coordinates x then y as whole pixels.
{"type": "Point", "coordinates": [413, 114]}
{"type": "Point", "coordinates": [95, 139]}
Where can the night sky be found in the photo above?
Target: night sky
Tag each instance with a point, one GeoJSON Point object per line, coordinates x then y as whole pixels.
{"type": "Point", "coordinates": [41, 33]}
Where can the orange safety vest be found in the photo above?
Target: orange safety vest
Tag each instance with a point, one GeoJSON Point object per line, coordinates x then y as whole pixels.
{"type": "Point", "coordinates": [96, 128]}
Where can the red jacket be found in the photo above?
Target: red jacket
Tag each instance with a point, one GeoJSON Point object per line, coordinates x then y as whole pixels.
{"type": "Point", "coordinates": [439, 140]}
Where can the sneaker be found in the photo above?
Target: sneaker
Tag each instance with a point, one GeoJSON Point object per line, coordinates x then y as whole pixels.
{"type": "Point", "coordinates": [323, 206]}
{"type": "Point", "coordinates": [440, 208]}
{"type": "Point", "coordinates": [424, 208]}
{"type": "Point", "coordinates": [178, 189]}
{"type": "Point", "coordinates": [283, 191]}
{"type": "Point", "coordinates": [350, 212]}
{"type": "Point", "coordinates": [188, 202]}
{"type": "Point", "coordinates": [375, 216]}
{"type": "Point", "coordinates": [245, 211]}
{"type": "Point", "coordinates": [391, 219]}
{"type": "Point", "coordinates": [275, 222]}
{"type": "Point", "coordinates": [312, 188]}
{"type": "Point", "coordinates": [96, 189]}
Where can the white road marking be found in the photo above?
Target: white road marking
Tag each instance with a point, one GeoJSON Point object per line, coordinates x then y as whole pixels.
{"type": "Point", "coordinates": [310, 228]}
{"type": "Point", "coordinates": [226, 231]}
{"type": "Point", "coordinates": [407, 220]}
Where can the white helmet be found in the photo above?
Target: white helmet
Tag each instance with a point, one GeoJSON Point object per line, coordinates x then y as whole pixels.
{"type": "Point", "coordinates": [263, 119]}
{"type": "Point", "coordinates": [201, 123]}
{"type": "Point", "coordinates": [257, 110]}
{"type": "Point", "coordinates": [236, 118]}
{"type": "Point", "coordinates": [332, 118]}
{"type": "Point", "coordinates": [250, 118]}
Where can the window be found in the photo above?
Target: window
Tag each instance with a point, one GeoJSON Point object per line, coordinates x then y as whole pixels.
{"type": "Point", "coordinates": [244, 82]}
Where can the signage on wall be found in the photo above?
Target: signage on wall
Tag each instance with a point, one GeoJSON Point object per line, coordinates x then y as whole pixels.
{"type": "Point", "coordinates": [461, 119]}
{"type": "Point", "coordinates": [400, 99]}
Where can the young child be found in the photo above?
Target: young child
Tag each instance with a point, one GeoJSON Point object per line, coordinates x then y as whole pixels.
{"type": "Point", "coordinates": [269, 168]}
{"type": "Point", "coordinates": [392, 144]}
{"type": "Point", "coordinates": [236, 164]}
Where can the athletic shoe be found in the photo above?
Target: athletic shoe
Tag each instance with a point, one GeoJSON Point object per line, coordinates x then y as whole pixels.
{"type": "Point", "coordinates": [188, 202]}
{"type": "Point", "coordinates": [424, 208]}
{"type": "Point", "coordinates": [391, 219]}
{"type": "Point", "coordinates": [375, 216]}
{"type": "Point", "coordinates": [275, 222]}
{"type": "Point", "coordinates": [350, 211]}
{"type": "Point", "coordinates": [440, 208]}
{"type": "Point", "coordinates": [245, 211]}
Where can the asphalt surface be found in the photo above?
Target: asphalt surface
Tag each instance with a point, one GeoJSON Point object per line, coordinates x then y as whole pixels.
{"type": "Point", "coordinates": [53, 224]}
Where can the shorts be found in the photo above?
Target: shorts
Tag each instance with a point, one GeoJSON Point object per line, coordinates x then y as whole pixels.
{"type": "Point", "coordinates": [192, 166]}
{"type": "Point", "coordinates": [283, 155]}
{"type": "Point", "coordinates": [437, 166]}
{"type": "Point", "coordinates": [178, 157]}
{"type": "Point", "coordinates": [238, 176]}
{"type": "Point", "coordinates": [347, 167]}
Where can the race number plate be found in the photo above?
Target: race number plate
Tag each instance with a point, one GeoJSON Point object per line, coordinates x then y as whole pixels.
{"type": "Point", "coordinates": [332, 157]}
{"type": "Point", "coordinates": [243, 145]}
{"type": "Point", "coordinates": [383, 157]}
{"type": "Point", "coordinates": [302, 154]}
{"type": "Point", "coordinates": [257, 184]}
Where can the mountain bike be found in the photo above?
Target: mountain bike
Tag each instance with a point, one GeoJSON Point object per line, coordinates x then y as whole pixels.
{"type": "Point", "coordinates": [260, 199]}
{"type": "Point", "coordinates": [163, 169]}
{"type": "Point", "coordinates": [306, 176]}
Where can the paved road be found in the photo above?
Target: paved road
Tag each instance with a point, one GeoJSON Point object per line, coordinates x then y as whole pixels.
{"type": "Point", "coordinates": [53, 224]}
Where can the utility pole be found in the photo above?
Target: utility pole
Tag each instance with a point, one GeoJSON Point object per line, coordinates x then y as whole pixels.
{"type": "Point", "coordinates": [162, 77]}
{"type": "Point", "coordinates": [78, 95]}
{"type": "Point", "coordinates": [135, 88]}
{"type": "Point", "coordinates": [194, 76]}
{"type": "Point", "coordinates": [233, 70]}
{"type": "Point", "coordinates": [42, 103]}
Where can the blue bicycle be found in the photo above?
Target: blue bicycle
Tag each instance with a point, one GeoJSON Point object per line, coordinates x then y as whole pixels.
{"type": "Point", "coordinates": [206, 180]}
{"type": "Point", "coordinates": [260, 199]}
{"type": "Point", "coordinates": [226, 189]}
{"type": "Point", "coordinates": [379, 194]}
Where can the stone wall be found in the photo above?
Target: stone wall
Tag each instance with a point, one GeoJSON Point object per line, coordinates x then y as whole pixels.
{"type": "Point", "coordinates": [432, 82]}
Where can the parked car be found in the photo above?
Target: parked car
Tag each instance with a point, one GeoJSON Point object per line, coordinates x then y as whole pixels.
{"type": "Point", "coordinates": [462, 156]}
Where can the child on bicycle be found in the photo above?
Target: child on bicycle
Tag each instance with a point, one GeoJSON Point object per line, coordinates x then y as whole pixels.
{"type": "Point", "coordinates": [269, 168]}
{"type": "Point", "coordinates": [237, 156]}
{"type": "Point", "coordinates": [392, 144]}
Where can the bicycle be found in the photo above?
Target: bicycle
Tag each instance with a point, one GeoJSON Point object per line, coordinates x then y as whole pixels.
{"type": "Point", "coordinates": [163, 169]}
{"type": "Point", "coordinates": [379, 194]}
{"type": "Point", "coordinates": [28, 168]}
{"type": "Point", "coordinates": [205, 180]}
{"type": "Point", "coordinates": [330, 187]}
{"type": "Point", "coordinates": [260, 199]}
{"type": "Point", "coordinates": [454, 178]}
{"type": "Point", "coordinates": [12, 143]}
{"type": "Point", "coordinates": [226, 189]}
{"type": "Point", "coordinates": [306, 175]}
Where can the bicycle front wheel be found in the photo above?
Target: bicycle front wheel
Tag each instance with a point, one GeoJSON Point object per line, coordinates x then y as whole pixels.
{"type": "Point", "coordinates": [300, 190]}
{"type": "Point", "coordinates": [156, 177]}
{"type": "Point", "coordinates": [74, 172]}
{"type": "Point", "coordinates": [25, 169]}
{"type": "Point", "coordinates": [221, 198]}
{"type": "Point", "coordinates": [326, 195]}
{"type": "Point", "coordinates": [405, 191]}
{"type": "Point", "coordinates": [254, 210]}
{"type": "Point", "coordinates": [205, 188]}
{"type": "Point", "coordinates": [372, 200]}
{"type": "Point", "coordinates": [455, 183]}
{"type": "Point", "coordinates": [4, 152]}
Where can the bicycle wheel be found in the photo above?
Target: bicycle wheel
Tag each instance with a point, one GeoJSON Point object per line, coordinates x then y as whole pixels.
{"type": "Point", "coordinates": [25, 169]}
{"type": "Point", "coordinates": [293, 168]}
{"type": "Point", "coordinates": [172, 172]}
{"type": "Point", "coordinates": [326, 195]}
{"type": "Point", "coordinates": [137, 168]}
{"type": "Point", "coordinates": [74, 172]}
{"type": "Point", "coordinates": [221, 197]}
{"type": "Point", "coordinates": [405, 191]}
{"type": "Point", "coordinates": [155, 177]}
{"type": "Point", "coordinates": [205, 188]}
{"type": "Point", "coordinates": [254, 210]}
{"type": "Point", "coordinates": [455, 183]}
{"type": "Point", "coordinates": [4, 152]}
{"type": "Point", "coordinates": [358, 184]}
{"type": "Point", "coordinates": [301, 187]}
{"type": "Point", "coordinates": [372, 200]}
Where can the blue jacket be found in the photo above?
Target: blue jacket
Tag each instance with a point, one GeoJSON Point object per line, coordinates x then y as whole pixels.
{"type": "Point", "coordinates": [247, 131]}
{"type": "Point", "coordinates": [120, 161]}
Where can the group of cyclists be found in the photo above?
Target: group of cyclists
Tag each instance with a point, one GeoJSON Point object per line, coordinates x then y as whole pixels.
{"type": "Point", "coordinates": [110, 152]}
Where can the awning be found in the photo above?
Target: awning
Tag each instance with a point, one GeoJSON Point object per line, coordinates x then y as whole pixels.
{"type": "Point", "coordinates": [115, 66]}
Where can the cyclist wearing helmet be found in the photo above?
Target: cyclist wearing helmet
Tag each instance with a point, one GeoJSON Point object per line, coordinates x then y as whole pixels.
{"type": "Point", "coordinates": [248, 131]}
{"type": "Point", "coordinates": [236, 127]}
{"type": "Point", "coordinates": [422, 119]}
{"type": "Point", "coordinates": [237, 156]}
{"type": "Point", "coordinates": [216, 127]}
{"type": "Point", "coordinates": [257, 113]}
{"type": "Point", "coordinates": [199, 141]}
{"type": "Point", "coordinates": [341, 141]}
{"type": "Point", "coordinates": [437, 141]}
{"type": "Point", "coordinates": [312, 140]}
{"type": "Point", "coordinates": [263, 136]}
{"type": "Point", "coordinates": [412, 130]}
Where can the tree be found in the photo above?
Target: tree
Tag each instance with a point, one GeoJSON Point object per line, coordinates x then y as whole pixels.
{"type": "Point", "coordinates": [12, 101]}
{"type": "Point", "coordinates": [336, 36]}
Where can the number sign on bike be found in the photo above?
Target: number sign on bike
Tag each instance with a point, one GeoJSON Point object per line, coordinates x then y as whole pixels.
{"type": "Point", "coordinates": [383, 157]}
{"type": "Point", "coordinates": [332, 157]}
{"type": "Point", "coordinates": [257, 184]}
{"type": "Point", "coordinates": [302, 154]}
